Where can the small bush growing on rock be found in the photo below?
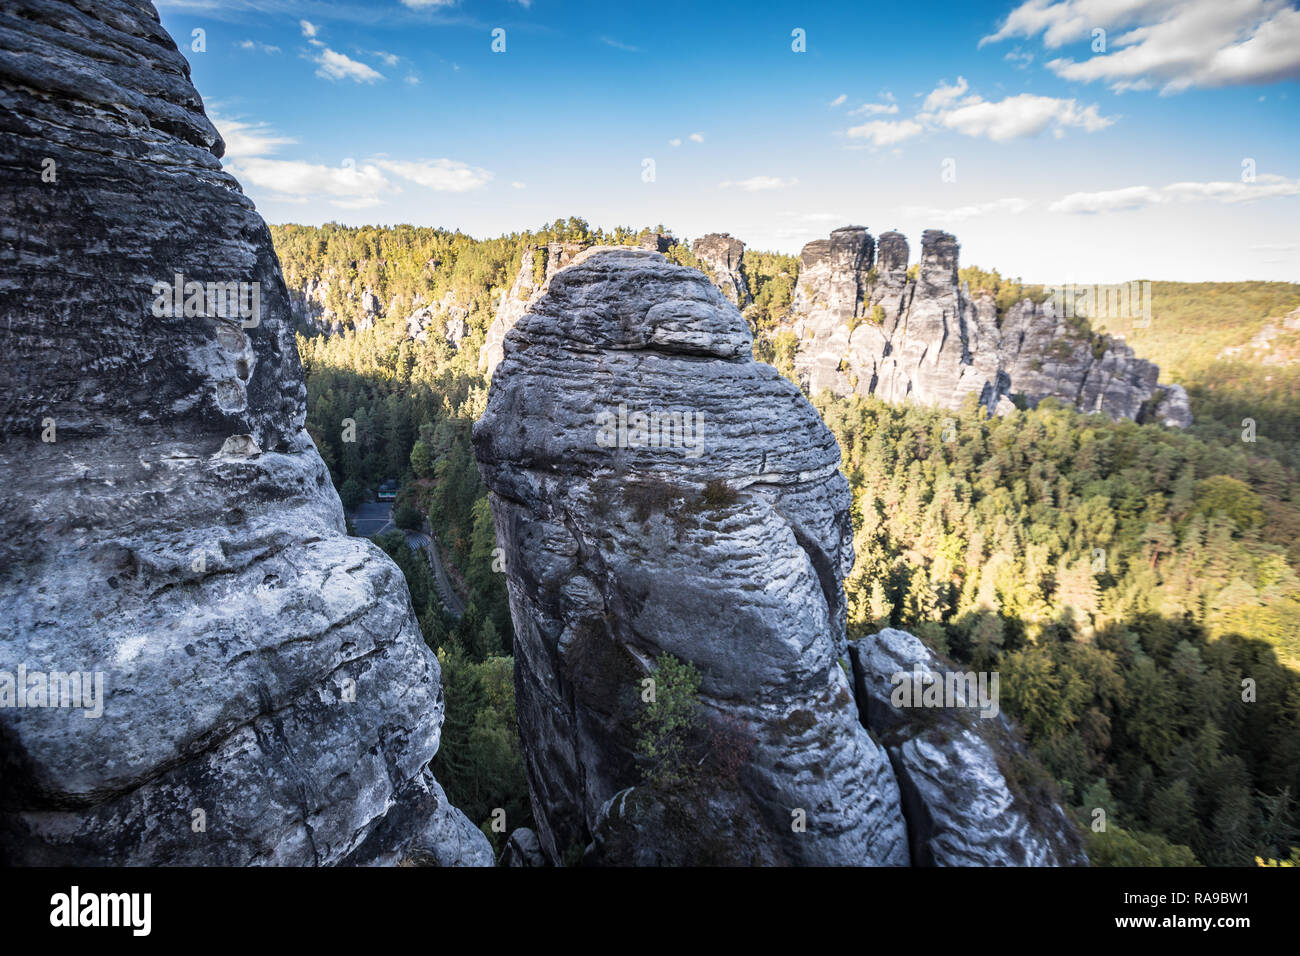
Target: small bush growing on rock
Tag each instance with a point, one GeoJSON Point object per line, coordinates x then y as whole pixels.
{"type": "Point", "coordinates": [718, 494]}
{"type": "Point", "coordinates": [667, 725]}
{"type": "Point", "coordinates": [731, 741]}
{"type": "Point", "coordinates": [649, 497]}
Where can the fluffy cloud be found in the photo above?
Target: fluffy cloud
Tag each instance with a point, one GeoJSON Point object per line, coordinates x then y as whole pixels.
{"type": "Point", "coordinates": [871, 109]}
{"type": "Point", "coordinates": [839, 100]}
{"type": "Point", "coordinates": [948, 106]}
{"type": "Point", "coordinates": [696, 137]}
{"type": "Point", "coordinates": [886, 132]}
{"type": "Point", "coordinates": [942, 96]}
{"type": "Point", "coordinates": [1010, 206]}
{"type": "Point", "coordinates": [308, 28]}
{"type": "Point", "coordinates": [1170, 44]}
{"type": "Point", "coordinates": [337, 66]}
{"type": "Point", "coordinates": [440, 175]}
{"type": "Point", "coordinates": [248, 139]}
{"type": "Point", "coordinates": [350, 185]}
{"type": "Point", "coordinates": [760, 183]}
{"type": "Point", "coordinates": [1019, 116]}
{"type": "Point", "coordinates": [1138, 197]}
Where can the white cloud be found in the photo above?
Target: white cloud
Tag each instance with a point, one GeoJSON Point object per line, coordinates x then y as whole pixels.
{"type": "Point", "coordinates": [350, 187]}
{"type": "Point", "coordinates": [1018, 116]}
{"type": "Point", "coordinates": [674, 142]}
{"type": "Point", "coordinates": [1170, 44]}
{"type": "Point", "coordinates": [433, 4]}
{"type": "Point", "coordinates": [248, 139]}
{"type": "Point", "coordinates": [1109, 200]}
{"type": "Point", "coordinates": [696, 137]}
{"type": "Point", "coordinates": [411, 80]}
{"type": "Point", "coordinates": [1019, 58]}
{"type": "Point", "coordinates": [760, 183]}
{"type": "Point", "coordinates": [949, 107]}
{"type": "Point", "coordinates": [839, 100]}
{"type": "Point", "coordinates": [942, 96]}
{"type": "Point", "coordinates": [258, 45]}
{"type": "Point", "coordinates": [308, 28]}
{"type": "Point", "coordinates": [871, 109]}
{"type": "Point", "coordinates": [1011, 206]}
{"type": "Point", "coordinates": [517, 185]}
{"type": "Point", "coordinates": [886, 132]}
{"type": "Point", "coordinates": [440, 175]}
{"type": "Point", "coordinates": [1137, 197]}
{"type": "Point", "coordinates": [619, 45]}
{"type": "Point", "coordinates": [337, 66]}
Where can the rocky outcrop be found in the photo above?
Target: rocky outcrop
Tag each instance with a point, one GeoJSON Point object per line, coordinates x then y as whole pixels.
{"type": "Point", "coordinates": [864, 326]}
{"type": "Point", "coordinates": [659, 496]}
{"type": "Point", "coordinates": [261, 693]}
{"type": "Point", "coordinates": [724, 258]}
{"type": "Point", "coordinates": [972, 796]}
{"type": "Point", "coordinates": [655, 241]}
{"type": "Point", "coordinates": [536, 269]}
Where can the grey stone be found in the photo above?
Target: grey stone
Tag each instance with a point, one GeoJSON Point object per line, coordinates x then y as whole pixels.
{"type": "Point", "coordinates": [873, 331]}
{"type": "Point", "coordinates": [724, 257]}
{"type": "Point", "coordinates": [972, 795]}
{"type": "Point", "coordinates": [263, 673]}
{"type": "Point", "coordinates": [612, 561]}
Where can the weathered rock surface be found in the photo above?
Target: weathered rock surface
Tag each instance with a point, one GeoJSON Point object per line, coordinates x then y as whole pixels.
{"type": "Point", "coordinates": [267, 697]}
{"type": "Point", "coordinates": [523, 849]}
{"type": "Point", "coordinates": [865, 327]}
{"type": "Point", "coordinates": [538, 267]}
{"type": "Point", "coordinates": [971, 795]}
{"type": "Point", "coordinates": [612, 561]}
{"type": "Point", "coordinates": [622, 546]}
{"type": "Point", "coordinates": [724, 257]}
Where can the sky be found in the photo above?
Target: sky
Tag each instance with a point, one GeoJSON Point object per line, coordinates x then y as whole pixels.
{"type": "Point", "coordinates": [1059, 140]}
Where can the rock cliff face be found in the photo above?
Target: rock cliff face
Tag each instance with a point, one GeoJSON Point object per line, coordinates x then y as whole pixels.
{"type": "Point", "coordinates": [266, 697]}
{"type": "Point", "coordinates": [657, 492]}
{"type": "Point", "coordinates": [865, 327]}
{"type": "Point", "coordinates": [725, 258]}
{"type": "Point", "coordinates": [530, 283]}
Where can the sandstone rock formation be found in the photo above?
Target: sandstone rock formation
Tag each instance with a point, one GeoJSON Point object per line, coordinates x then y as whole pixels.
{"type": "Point", "coordinates": [865, 327]}
{"type": "Point", "coordinates": [536, 270]}
{"type": "Point", "coordinates": [971, 795]}
{"type": "Point", "coordinates": [724, 257]}
{"type": "Point", "coordinates": [266, 695]}
{"type": "Point", "coordinates": [716, 530]}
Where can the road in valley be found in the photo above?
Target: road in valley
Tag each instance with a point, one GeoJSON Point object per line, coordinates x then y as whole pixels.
{"type": "Point", "coordinates": [375, 517]}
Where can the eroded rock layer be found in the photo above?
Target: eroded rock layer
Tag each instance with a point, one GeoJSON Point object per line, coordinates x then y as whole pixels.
{"type": "Point", "coordinates": [971, 793]}
{"type": "Point", "coordinates": [660, 496]}
{"type": "Point", "coordinates": [864, 326]}
{"type": "Point", "coordinates": [171, 533]}
{"type": "Point", "coordinates": [616, 555]}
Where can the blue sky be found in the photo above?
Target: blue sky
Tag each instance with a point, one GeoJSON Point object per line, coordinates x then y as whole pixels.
{"type": "Point", "coordinates": [1170, 152]}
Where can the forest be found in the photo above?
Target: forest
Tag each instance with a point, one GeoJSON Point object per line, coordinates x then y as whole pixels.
{"type": "Point", "coordinates": [1136, 587]}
